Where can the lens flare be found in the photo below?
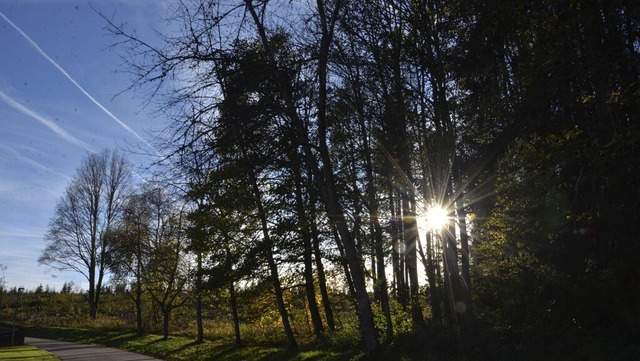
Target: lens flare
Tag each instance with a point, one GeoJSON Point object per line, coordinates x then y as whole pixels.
{"type": "Point", "coordinates": [436, 217]}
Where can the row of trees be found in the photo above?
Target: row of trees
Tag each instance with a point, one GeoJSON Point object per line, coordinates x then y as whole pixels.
{"type": "Point", "coordinates": [106, 226]}
{"type": "Point", "coordinates": [306, 136]}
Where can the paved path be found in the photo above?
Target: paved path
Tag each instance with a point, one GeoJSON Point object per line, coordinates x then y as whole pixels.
{"type": "Point", "coordinates": [69, 351]}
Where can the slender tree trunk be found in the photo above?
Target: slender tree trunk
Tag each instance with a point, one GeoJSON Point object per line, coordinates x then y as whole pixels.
{"type": "Point", "coordinates": [464, 245]}
{"type": "Point", "coordinates": [381, 291]}
{"type": "Point", "coordinates": [322, 279]}
{"type": "Point", "coordinates": [305, 232]}
{"type": "Point", "coordinates": [431, 267]}
{"type": "Point", "coordinates": [273, 267]}
{"type": "Point", "coordinates": [411, 238]}
{"type": "Point", "coordinates": [199, 327]}
{"type": "Point", "coordinates": [200, 335]}
{"type": "Point", "coordinates": [447, 259]}
{"type": "Point", "coordinates": [382, 279]}
{"type": "Point", "coordinates": [234, 311]}
{"type": "Point", "coordinates": [282, 309]}
{"type": "Point", "coordinates": [344, 263]}
{"type": "Point", "coordinates": [452, 273]}
{"type": "Point", "coordinates": [398, 250]}
{"type": "Point", "coordinates": [318, 327]}
{"type": "Point", "coordinates": [138, 301]}
{"type": "Point", "coordinates": [374, 269]}
{"type": "Point", "coordinates": [365, 313]}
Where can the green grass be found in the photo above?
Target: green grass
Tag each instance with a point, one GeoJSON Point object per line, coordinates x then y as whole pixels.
{"type": "Point", "coordinates": [26, 352]}
{"type": "Point", "coordinates": [178, 348]}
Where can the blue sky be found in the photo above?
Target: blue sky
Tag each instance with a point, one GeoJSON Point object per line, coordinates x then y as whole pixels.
{"type": "Point", "coordinates": [58, 80]}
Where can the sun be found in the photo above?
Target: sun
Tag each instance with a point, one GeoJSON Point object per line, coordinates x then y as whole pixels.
{"type": "Point", "coordinates": [437, 217]}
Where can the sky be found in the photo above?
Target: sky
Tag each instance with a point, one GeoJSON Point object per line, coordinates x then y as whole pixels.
{"type": "Point", "coordinates": [58, 85]}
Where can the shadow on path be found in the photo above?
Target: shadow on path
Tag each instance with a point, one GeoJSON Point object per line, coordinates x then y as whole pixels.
{"type": "Point", "coordinates": [78, 352]}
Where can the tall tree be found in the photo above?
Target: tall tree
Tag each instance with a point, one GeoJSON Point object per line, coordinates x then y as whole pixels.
{"type": "Point", "coordinates": [221, 237]}
{"type": "Point", "coordinates": [92, 203]}
{"type": "Point", "coordinates": [131, 242]}
{"type": "Point", "coordinates": [249, 140]}
{"type": "Point", "coordinates": [206, 35]}
{"type": "Point", "coordinates": [167, 273]}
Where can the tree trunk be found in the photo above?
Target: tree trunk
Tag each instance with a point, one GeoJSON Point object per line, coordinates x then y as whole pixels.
{"type": "Point", "coordinates": [138, 301]}
{"type": "Point", "coordinates": [200, 335]}
{"type": "Point", "coordinates": [273, 267]}
{"type": "Point", "coordinates": [324, 180]}
{"type": "Point", "coordinates": [318, 328]}
{"type": "Point", "coordinates": [234, 311]}
{"type": "Point", "coordinates": [282, 309]}
{"type": "Point", "coordinates": [410, 239]}
{"type": "Point", "coordinates": [382, 279]}
{"type": "Point", "coordinates": [430, 267]}
{"type": "Point", "coordinates": [367, 327]}
{"type": "Point", "coordinates": [452, 275]}
{"type": "Point", "coordinates": [398, 251]}
{"type": "Point", "coordinates": [91, 296]}
{"type": "Point", "coordinates": [305, 230]}
{"type": "Point", "coordinates": [166, 313]}
{"type": "Point", "coordinates": [322, 279]}
{"type": "Point", "coordinates": [464, 257]}
{"type": "Point", "coordinates": [381, 286]}
{"type": "Point", "coordinates": [344, 263]}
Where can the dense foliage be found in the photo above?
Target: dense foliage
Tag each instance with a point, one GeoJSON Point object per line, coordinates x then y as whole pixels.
{"type": "Point", "coordinates": [306, 142]}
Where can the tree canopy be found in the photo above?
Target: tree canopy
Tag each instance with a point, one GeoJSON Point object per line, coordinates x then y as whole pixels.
{"type": "Point", "coordinates": [312, 138]}
{"type": "Point", "coordinates": [91, 205]}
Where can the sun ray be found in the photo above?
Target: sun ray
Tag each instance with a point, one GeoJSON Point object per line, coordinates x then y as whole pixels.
{"type": "Point", "coordinates": [436, 217]}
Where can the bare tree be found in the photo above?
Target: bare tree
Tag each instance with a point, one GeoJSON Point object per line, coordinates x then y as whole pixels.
{"type": "Point", "coordinates": [77, 238]}
{"type": "Point", "coordinates": [166, 275]}
{"type": "Point", "coordinates": [2, 280]}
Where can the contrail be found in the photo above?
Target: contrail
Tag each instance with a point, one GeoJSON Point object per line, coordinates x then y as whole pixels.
{"type": "Point", "coordinates": [64, 72]}
{"type": "Point", "coordinates": [46, 122]}
{"type": "Point", "coordinates": [33, 162]}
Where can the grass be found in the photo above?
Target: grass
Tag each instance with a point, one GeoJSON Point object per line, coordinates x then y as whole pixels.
{"type": "Point", "coordinates": [178, 348]}
{"type": "Point", "coordinates": [26, 352]}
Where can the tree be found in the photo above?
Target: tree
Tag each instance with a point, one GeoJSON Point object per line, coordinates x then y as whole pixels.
{"type": "Point", "coordinates": [559, 236]}
{"type": "Point", "coordinates": [2, 280]}
{"type": "Point", "coordinates": [167, 274]}
{"type": "Point", "coordinates": [248, 108]}
{"type": "Point", "coordinates": [90, 206]}
{"type": "Point", "coordinates": [369, 111]}
{"type": "Point", "coordinates": [222, 236]}
{"type": "Point", "coordinates": [131, 248]}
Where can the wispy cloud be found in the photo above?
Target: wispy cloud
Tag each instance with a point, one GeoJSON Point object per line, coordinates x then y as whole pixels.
{"type": "Point", "coordinates": [74, 82]}
{"type": "Point", "coordinates": [42, 119]}
{"type": "Point", "coordinates": [23, 234]}
{"type": "Point", "coordinates": [32, 162]}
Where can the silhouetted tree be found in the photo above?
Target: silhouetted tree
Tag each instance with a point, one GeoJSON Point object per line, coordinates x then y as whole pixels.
{"type": "Point", "coordinates": [91, 205]}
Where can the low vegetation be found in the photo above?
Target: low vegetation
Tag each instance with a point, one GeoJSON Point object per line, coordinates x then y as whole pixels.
{"type": "Point", "coordinates": [63, 317]}
{"type": "Point", "coordinates": [181, 347]}
{"type": "Point", "coordinates": [26, 352]}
